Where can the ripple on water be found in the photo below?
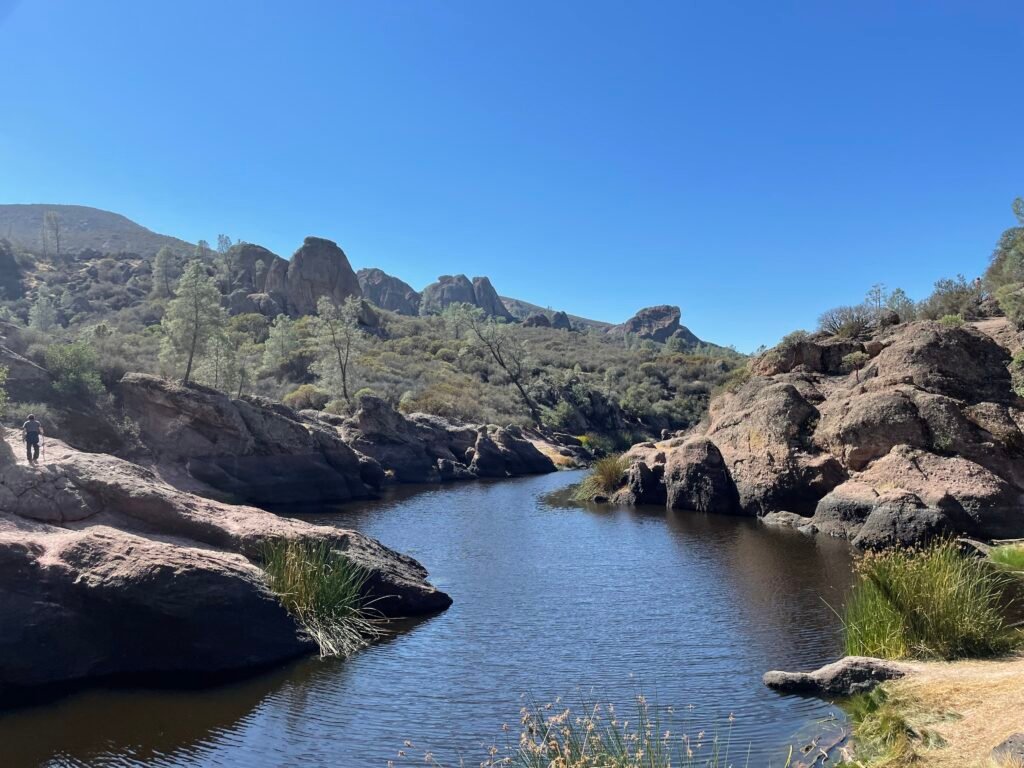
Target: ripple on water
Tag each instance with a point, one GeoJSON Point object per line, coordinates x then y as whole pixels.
{"type": "Point", "coordinates": [550, 600]}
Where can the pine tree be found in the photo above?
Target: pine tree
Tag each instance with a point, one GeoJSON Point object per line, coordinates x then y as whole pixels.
{"type": "Point", "coordinates": [43, 314]}
{"type": "Point", "coordinates": [193, 317]}
{"type": "Point", "coordinates": [164, 271]}
{"type": "Point", "coordinates": [338, 339]}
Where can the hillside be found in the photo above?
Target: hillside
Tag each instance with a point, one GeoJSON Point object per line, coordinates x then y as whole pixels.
{"type": "Point", "coordinates": [521, 310]}
{"type": "Point", "coordinates": [80, 228]}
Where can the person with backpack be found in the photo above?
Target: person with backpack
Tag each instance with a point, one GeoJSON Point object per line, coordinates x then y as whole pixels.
{"type": "Point", "coordinates": [32, 431]}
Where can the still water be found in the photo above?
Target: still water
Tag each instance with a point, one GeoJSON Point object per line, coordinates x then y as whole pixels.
{"type": "Point", "coordinates": [551, 599]}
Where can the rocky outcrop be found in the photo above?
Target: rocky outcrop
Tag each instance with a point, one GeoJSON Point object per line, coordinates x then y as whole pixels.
{"type": "Point", "coordinates": [319, 268]}
{"type": "Point", "coordinates": [387, 292]}
{"type": "Point", "coordinates": [487, 299]}
{"type": "Point", "coordinates": [659, 324]}
{"type": "Point", "coordinates": [924, 440]}
{"type": "Point", "coordinates": [424, 448]}
{"type": "Point", "coordinates": [109, 571]}
{"type": "Point", "coordinates": [561, 321]}
{"type": "Point", "coordinates": [457, 289]}
{"type": "Point", "coordinates": [537, 320]}
{"type": "Point", "coordinates": [255, 450]}
{"type": "Point", "coordinates": [26, 381]}
{"type": "Point", "coordinates": [846, 677]}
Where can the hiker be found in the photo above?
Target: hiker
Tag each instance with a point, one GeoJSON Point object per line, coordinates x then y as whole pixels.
{"type": "Point", "coordinates": [31, 431]}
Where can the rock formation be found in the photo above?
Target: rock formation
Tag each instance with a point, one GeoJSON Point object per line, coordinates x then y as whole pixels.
{"type": "Point", "coordinates": [537, 320]}
{"type": "Point", "coordinates": [388, 292]}
{"type": "Point", "coordinates": [319, 268]}
{"type": "Point", "coordinates": [659, 324]}
{"type": "Point", "coordinates": [924, 440]}
{"type": "Point", "coordinates": [457, 289]}
{"type": "Point", "coordinates": [109, 571]}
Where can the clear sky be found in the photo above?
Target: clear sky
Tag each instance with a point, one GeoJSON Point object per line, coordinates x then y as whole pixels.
{"type": "Point", "coordinates": [754, 163]}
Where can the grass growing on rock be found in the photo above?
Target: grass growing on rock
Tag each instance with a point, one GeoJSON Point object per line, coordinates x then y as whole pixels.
{"type": "Point", "coordinates": [323, 590]}
{"type": "Point", "coordinates": [604, 478]}
{"type": "Point", "coordinates": [932, 603]}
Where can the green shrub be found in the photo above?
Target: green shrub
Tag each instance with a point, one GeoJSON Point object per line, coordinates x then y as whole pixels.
{"type": "Point", "coordinates": [323, 590]}
{"type": "Point", "coordinates": [883, 737]}
{"type": "Point", "coordinates": [306, 396]}
{"type": "Point", "coordinates": [733, 381]}
{"type": "Point", "coordinates": [952, 321]}
{"type": "Point", "coordinates": [1011, 301]}
{"type": "Point", "coordinates": [74, 370]}
{"type": "Point", "coordinates": [931, 603]}
{"type": "Point", "coordinates": [604, 478]}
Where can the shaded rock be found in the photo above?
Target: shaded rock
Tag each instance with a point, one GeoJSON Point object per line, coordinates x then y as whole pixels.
{"type": "Point", "coordinates": [846, 677]}
{"type": "Point", "coordinates": [561, 321]}
{"type": "Point", "coordinates": [388, 292]}
{"type": "Point", "coordinates": [251, 266]}
{"type": "Point", "coordinates": [253, 449]}
{"type": "Point", "coordinates": [318, 268]}
{"type": "Point", "coordinates": [488, 300]}
{"type": "Point", "coordinates": [644, 485]}
{"type": "Point", "coordinates": [379, 431]}
{"type": "Point", "coordinates": [265, 304]}
{"type": "Point", "coordinates": [537, 320]}
{"type": "Point", "coordinates": [240, 302]}
{"type": "Point", "coordinates": [696, 478]}
{"type": "Point", "coordinates": [503, 452]}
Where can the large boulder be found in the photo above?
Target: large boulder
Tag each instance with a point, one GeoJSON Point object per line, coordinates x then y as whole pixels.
{"type": "Point", "coordinates": [250, 267]}
{"type": "Point", "coordinates": [110, 571]}
{"type": "Point", "coordinates": [696, 478]}
{"type": "Point", "coordinates": [379, 431]}
{"type": "Point", "coordinates": [388, 292]}
{"type": "Point", "coordinates": [26, 381]}
{"type": "Point", "coordinates": [317, 269]}
{"type": "Point", "coordinates": [537, 320]}
{"type": "Point", "coordinates": [504, 452]}
{"type": "Point", "coordinates": [257, 451]}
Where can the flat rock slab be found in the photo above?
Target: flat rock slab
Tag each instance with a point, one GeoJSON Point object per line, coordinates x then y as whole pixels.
{"type": "Point", "coordinates": [846, 677]}
{"type": "Point", "coordinates": [1010, 752]}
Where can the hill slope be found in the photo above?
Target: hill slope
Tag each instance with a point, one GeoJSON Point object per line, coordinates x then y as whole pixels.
{"type": "Point", "coordinates": [81, 227]}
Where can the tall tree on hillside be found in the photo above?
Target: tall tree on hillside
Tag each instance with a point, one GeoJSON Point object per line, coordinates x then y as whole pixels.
{"type": "Point", "coordinates": [165, 267]}
{"type": "Point", "coordinates": [192, 318]}
{"type": "Point", "coordinates": [503, 344]}
{"type": "Point", "coordinates": [51, 225]}
{"type": "Point", "coordinates": [338, 340]}
{"type": "Point", "coordinates": [42, 315]}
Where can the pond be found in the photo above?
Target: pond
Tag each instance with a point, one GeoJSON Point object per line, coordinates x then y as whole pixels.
{"type": "Point", "coordinates": [551, 599]}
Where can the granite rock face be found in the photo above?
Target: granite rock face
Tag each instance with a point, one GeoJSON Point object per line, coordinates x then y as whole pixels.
{"type": "Point", "coordinates": [923, 441]}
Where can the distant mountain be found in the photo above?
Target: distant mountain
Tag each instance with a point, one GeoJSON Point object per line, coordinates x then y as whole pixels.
{"type": "Point", "coordinates": [81, 228]}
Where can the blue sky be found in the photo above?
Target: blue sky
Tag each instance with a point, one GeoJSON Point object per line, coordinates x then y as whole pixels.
{"type": "Point", "coordinates": [754, 163]}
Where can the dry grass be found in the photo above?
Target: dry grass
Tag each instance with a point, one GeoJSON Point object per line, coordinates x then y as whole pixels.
{"type": "Point", "coordinates": [970, 706]}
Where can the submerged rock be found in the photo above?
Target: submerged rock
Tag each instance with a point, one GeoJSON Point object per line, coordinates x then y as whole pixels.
{"type": "Point", "coordinates": [846, 677]}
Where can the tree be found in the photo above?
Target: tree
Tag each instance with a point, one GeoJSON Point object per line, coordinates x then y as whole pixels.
{"type": "Point", "coordinates": [851, 322]}
{"type": "Point", "coordinates": [899, 302]}
{"type": "Point", "coordinates": [43, 314]}
{"type": "Point", "coordinates": [875, 298]}
{"type": "Point", "coordinates": [51, 230]}
{"type": "Point", "coordinates": [280, 347]}
{"type": "Point", "coordinates": [503, 345]}
{"type": "Point", "coordinates": [855, 361]}
{"type": "Point", "coordinates": [193, 317]}
{"type": "Point", "coordinates": [338, 338]}
{"type": "Point", "coordinates": [165, 267]}
{"type": "Point", "coordinates": [74, 369]}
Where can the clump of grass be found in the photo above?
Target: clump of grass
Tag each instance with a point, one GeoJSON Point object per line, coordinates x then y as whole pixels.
{"type": "Point", "coordinates": [882, 735]}
{"type": "Point", "coordinates": [323, 590]}
{"type": "Point", "coordinates": [933, 603]}
{"type": "Point", "coordinates": [604, 478]}
{"type": "Point", "coordinates": [598, 736]}
{"type": "Point", "coordinates": [1009, 556]}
